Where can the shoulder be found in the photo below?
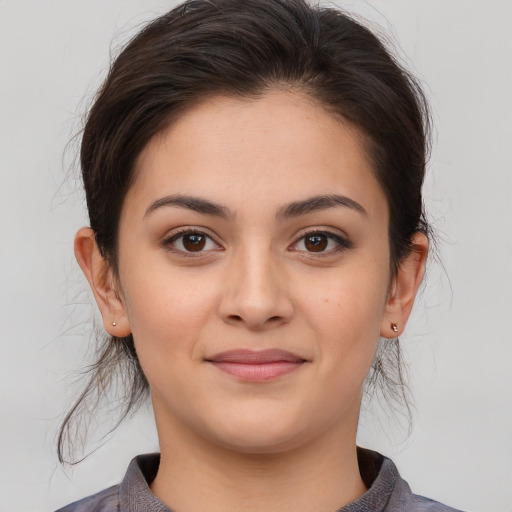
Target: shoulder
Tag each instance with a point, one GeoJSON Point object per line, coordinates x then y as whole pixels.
{"type": "Point", "coordinates": [423, 504]}
{"type": "Point", "coordinates": [104, 501]}
{"type": "Point", "coordinates": [387, 490]}
{"type": "Point", "coordinates": [133, 490]}
{"type": "Point", "coordinates": [402, 498]}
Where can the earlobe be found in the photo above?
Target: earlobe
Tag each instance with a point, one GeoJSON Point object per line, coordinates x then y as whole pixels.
{"type": "Point", "coordinates": [404, 288]}
{"type": "Point", "coordinates": [103, 283]}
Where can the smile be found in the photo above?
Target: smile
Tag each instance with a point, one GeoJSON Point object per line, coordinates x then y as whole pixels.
{"type": "Point", "coordinates": [257, 365]}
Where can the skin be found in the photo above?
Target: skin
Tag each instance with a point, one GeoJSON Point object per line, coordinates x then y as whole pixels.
{"type": "Point", "coordinates": [226, 442]}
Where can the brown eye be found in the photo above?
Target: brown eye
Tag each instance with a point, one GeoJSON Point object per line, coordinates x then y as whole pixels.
{"type": "Point", "coordinates": [316, 243]}
{"type": "Point", "coordinates": [191, 242]}
{"type": "Point", "coordinates": [194, 242]}
{"type": "Point", "coordinates": [321, 242]}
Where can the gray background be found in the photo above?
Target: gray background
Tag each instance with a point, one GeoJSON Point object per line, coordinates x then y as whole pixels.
{"type": "Point", "coordinates": [53, 55]}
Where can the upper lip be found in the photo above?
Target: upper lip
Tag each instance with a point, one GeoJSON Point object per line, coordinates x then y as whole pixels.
{"type": "Point", "coordinates": [245, 356]}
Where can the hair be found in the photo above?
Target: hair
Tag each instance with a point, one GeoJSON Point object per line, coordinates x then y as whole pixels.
{"type": "Point", "coordinates": [241, 49]}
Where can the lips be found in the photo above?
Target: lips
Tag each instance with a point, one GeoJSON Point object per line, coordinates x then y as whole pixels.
{"type": "Point", "coordinates": [261, 365]}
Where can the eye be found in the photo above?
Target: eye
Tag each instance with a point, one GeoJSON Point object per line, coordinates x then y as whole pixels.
{"type": "Point", "coordinates": [191, 241]}
{"type": "Point", "coordinates": [321, 242]}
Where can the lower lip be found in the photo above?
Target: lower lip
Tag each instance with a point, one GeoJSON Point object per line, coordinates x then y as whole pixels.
{"type": "Point", "coordinates": [257, 372]}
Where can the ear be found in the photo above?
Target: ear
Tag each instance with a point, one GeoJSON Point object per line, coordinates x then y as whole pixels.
{"type": "Point", "coordinates": [103, 283]}
{"type": "Point", "coordinates": [403, 288]}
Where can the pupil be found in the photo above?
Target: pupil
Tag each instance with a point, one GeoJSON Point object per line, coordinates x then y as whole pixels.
{"type": "Point", "coordinates": [194, 242]}
{"type": "Point", "coordinates": [316, 243]}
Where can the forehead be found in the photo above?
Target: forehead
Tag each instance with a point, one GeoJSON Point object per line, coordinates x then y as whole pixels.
{"type": "Point", "coordinates": [274, 149]}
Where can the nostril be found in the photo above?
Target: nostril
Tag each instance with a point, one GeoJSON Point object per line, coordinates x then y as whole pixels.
{"type": "Point", "coordinates": [271, 320]}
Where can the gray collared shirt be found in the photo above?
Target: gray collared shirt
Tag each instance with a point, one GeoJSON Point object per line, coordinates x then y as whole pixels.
{"type": "Point", "coordinates": [387, 491]}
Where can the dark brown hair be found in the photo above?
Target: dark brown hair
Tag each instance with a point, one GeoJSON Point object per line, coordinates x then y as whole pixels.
{"type": "Point", "coordinates": [243, 48]}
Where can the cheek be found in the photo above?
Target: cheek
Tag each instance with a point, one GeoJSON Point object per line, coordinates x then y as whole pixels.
{"type": "Point", "coordinates": [167, 312]}
{"type": "Point", "coordinates": [347, 315]}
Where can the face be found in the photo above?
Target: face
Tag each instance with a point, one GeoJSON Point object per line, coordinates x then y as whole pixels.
{"type": "Point", "coordinates": [254, 272]}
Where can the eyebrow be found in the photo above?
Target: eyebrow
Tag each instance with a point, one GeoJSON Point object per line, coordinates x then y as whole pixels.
{"type": "Point", "coordinates": [195, 204]}
{"type": "Point", "coordinates": [295, 209]}
{"type": "Point", "coordinates": [317, 203]}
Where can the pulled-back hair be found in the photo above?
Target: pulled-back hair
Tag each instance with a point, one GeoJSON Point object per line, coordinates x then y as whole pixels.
{"type": "Point", "coordinates": [243, 48]}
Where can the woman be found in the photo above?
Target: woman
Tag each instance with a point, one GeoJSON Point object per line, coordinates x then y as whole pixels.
{"type": "Point", "coordinates": [253, 176]}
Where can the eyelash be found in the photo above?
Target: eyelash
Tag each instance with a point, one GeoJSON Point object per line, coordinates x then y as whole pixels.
{"type": "Point", "coordinates": [177, 235]}
{"type": "Point", "coordinates": [342, 243]}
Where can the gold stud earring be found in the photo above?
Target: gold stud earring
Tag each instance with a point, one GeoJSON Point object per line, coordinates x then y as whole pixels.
{"type": "Point", "coordinates": [394, 327]}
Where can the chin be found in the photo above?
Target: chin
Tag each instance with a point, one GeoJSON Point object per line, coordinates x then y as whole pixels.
{"type": "Point", "coordinates": [260, 443]}
{"type": "Point", "coordinates": [261, 434]}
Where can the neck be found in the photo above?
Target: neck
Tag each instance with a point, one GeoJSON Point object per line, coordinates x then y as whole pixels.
{"type": "Point", "coordinates": [322, 475]}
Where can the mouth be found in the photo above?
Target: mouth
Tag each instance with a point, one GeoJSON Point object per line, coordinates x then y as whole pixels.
{"type": "Point", "coordinates": [261, 365]}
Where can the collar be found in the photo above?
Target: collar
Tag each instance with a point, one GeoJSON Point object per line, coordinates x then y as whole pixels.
{"type": "Point", "coordinates": [378, 472]}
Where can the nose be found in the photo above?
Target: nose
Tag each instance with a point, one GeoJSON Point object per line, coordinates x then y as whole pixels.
{"type": "Point", "coordinates": [255, 294]}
